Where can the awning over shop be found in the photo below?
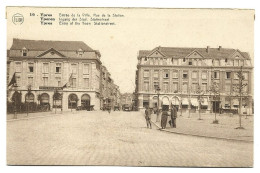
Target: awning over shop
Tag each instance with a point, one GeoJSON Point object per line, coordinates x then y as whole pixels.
{"type": "Point", "coordinates": [204, 102]}
{"type": "Point", "coordinates": [175, 101]}
{"type": "Point", "coordinates": [185, 101]}
{"type": "Point", "coordinates": [194, 102]}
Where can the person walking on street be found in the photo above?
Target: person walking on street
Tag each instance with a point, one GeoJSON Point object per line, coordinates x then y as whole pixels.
{"type": "Point", "coordinates": [148, 117]}
{"type": "Point", "coordinates": [165, 115]}
{"type": "Point", "coordinates": [173, 116]}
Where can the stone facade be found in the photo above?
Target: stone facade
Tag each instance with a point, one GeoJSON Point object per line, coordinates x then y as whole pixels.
{"type": "Point", "coordinates": [185, 77]}
{"type": "Point", "coordinates": [70, 68]}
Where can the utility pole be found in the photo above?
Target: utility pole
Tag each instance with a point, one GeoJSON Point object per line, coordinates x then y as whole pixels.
{"type": "Point", "coordinates": [158, 94]}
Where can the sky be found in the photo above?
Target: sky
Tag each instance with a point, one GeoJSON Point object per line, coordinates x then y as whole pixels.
{"type": "Point", "coordinates": [140, 29]}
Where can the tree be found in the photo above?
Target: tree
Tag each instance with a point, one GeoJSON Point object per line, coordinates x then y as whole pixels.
{"type": "Point", "coordinates": [239, 90]}
{"type": "Point", "coordinates": [214, 88]}
{"type": "Point", "coordinates": [200, 93]}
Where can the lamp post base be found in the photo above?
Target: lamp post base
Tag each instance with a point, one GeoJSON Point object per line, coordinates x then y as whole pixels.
{"type": "Point", "coordinates": [239, 128]}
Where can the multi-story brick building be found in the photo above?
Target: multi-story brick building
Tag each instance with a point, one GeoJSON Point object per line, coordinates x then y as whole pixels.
{"type": "Point", "coordinates": [110, 92]}
{"type": "Point", "coordinates": [71, 68]}
{"type": "Point", "coordinates": [181, 72]}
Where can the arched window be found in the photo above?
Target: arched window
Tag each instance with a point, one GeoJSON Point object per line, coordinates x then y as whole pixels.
{"type": "Point", "coordinates": [72, 101]}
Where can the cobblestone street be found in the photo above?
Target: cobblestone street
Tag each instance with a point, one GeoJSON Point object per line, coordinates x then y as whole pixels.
{"type": "Point", "coordinates": [118, 138]}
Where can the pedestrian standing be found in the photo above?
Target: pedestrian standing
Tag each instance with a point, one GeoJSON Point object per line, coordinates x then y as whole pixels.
{"type": "Point", "coordinates": [173, 116]}
{"type": "Point", "coordinates": [148, 113]}
{"type": "Point", "coordinates": [165, 115]}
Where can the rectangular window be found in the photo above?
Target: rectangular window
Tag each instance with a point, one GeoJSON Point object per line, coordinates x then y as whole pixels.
{"type": "Point", "coordinates": [18, 67]}
{"type": "Point", "coordinates": [74, 82]}
{"type": "Point", "coordinates": [204, 87]}
{"type": "Point", "coordinates": [155, 85]}
{"type": "Point", "coordinates": [245, 89]}
{"type": "Point", "coordinates": [190, 62]}
{"type": "Point", "coordinates": [185, 87]}
{"type": "Point", "coordinates": [24, 52]}
{"type": "Point", "coordinates": [58, 67]}
{"type": "Point", "coordinates": [45, 81]}
{"type": "Point", "coordinates": [30, 81]}
{"type": "Point", "coordinates": [156, 74]}
{"type": "Point", "coordinates": [228, 75]}
{"type": "Point", "coordinates": [227, 88]}
{"type": "Point", "coordinates": [146, 86]}
{"type": "Point", "coordinates": [204, 75]}
{"type": "Point", "coordinates": [166, 74]}
{"type": "Point", "coordinates": [216, 75]}
{"type": "Point", "coordinates": [245, 74]}
{"type": "Point", "coordinates": [30, 67]}
{"type": "Point", "coordinates": [185, 75]}
{"type": "Point", "coordinates": [194, 75]}
{"type": "Point", "coordinates": [18, 80]}
{"type": "Point", "coordinates": [146, 73]}
{"type": "Point", "coordinates": [58, 79]}
{"type": "Point", "coordinates": [236, 75]}
{"type": "Point", "coordinates": [86, 82]}
{"type": "Point", "coordinates": [194, 87]}
{"type": "Point", "coordinates": [45, 67]}
{"type": "Point", "coordinates": [166, 87]}
{"type": "Point", "coordinates": [175, 74]}
{"type": "Point", "coordinates": [86, 69]}
{"type": "Point", "coordinates": [175, 87]}
{"type": "Point", "coordinates": [236, 63]}
{"type": "Point", "coordinates": [73, 68]}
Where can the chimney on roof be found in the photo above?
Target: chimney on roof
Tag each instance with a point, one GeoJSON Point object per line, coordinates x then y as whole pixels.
{"type": "Point", "coordinates": [207, 49]}
{"type": "Point", "coordinates": [219, 48]}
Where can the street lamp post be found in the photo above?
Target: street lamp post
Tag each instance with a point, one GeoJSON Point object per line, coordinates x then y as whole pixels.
{"type": "Point", "coordinates": [15, 100]}
{"type": "Point", "coordinates": [158, 94]}
{"type": "Point", "coordinates": [28, 95]}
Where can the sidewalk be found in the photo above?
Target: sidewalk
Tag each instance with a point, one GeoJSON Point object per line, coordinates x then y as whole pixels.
{"type": "Point", "coordinates": [205, 128]}
{"type": "Point", "coordinates": [20, 116]}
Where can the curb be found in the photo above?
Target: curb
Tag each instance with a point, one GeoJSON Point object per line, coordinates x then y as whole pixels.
{"type": "Point", "coordinates": [202, 136]}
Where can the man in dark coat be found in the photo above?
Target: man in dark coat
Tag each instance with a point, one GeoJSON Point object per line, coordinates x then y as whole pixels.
{"type": "Point", "coordinates": [148, 113]}
{"type": "Point", "coordinates": [173, 116]}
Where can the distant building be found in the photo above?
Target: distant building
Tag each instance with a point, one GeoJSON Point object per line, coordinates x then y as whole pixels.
{"type": "Point", "coordinates": [110, 93]}
{"type": "Point", "coordinates": [127, 98]}
{"type": "Point", "coordinates": [71, 68]}
{"type": "Point", "coordinates": [180, 72]}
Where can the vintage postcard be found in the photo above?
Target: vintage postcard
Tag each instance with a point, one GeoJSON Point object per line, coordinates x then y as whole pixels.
{"type": "Point", "coordinates": [130, 87]}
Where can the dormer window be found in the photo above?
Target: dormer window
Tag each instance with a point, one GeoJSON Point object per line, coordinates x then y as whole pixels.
{"type": "Point", "coordinates": [24, 52]}
{"type": "Point", "coordinates": [80, 52]}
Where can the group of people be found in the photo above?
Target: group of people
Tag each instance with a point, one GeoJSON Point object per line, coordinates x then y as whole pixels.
{"type": "Point", "coordinates": [165, 113]}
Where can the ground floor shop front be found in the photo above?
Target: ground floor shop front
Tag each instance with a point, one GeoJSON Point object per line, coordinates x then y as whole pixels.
{"type": "Point", "coordinates": [195, 103]}
{"type": "Point", "coordinates": [57, 99]}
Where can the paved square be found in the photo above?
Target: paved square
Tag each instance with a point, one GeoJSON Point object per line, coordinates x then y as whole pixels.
{"type": "Point", "coordinates": [119, 138]}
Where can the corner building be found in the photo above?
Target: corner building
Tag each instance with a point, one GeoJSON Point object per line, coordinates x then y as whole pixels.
{"type": "Point", "coordinates": [179, 71]}
{"type": "Point", "coordinates": [47, 66]}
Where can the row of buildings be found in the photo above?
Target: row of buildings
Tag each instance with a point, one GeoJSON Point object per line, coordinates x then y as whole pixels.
{"type": "Point", "coordinates": [65, 74]}
{"type": "Point", "coordinates": [185, 76]}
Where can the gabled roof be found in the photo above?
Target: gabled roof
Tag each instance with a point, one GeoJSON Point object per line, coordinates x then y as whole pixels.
{"type": "Point", "coordinates": [41, 45]}
{"type": "Point", "coordinates": [51, 50]}
{"type": "Point", "coordinates": [179, 52]}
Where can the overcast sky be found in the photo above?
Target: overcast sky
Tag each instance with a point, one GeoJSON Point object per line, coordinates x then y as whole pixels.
{"type": "Point", "coordinates": [141, 29]}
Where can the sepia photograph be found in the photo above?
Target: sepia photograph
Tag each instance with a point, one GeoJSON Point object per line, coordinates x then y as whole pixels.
{"type": "Point", "coordinates": [139, 87]}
